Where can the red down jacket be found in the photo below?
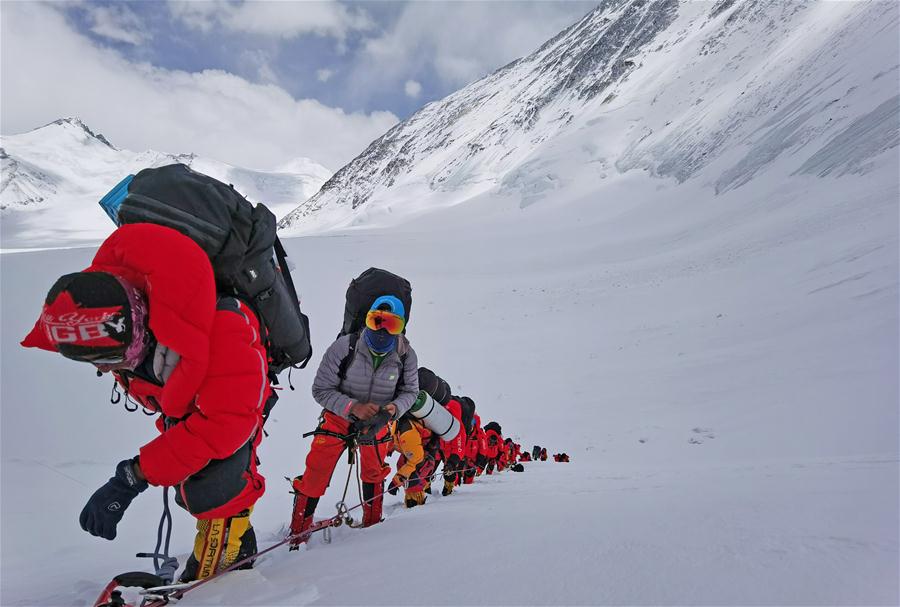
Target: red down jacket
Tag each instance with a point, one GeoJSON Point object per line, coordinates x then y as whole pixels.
{"type": "Point", "coordinates": [219, 385]}
{"type": "Point", "coordinates": [457, 445]}
{"type": "Point", "coordinates": [490, 444]}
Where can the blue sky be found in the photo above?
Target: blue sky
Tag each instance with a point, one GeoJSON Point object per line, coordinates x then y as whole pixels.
{"type": "Point", "coordinates": [317, 79]}
{"type": "Point", "coordinates": [309, 64]}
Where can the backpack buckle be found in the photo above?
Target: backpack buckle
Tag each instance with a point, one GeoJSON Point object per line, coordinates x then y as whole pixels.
{"type": "Point", "coordinates": [264, 295]}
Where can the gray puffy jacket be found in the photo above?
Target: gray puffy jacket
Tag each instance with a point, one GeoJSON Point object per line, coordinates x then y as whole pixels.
{"type": "Point", "coordinates": [363, 383]}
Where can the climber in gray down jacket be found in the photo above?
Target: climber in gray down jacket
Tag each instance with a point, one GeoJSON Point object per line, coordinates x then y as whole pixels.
{"type": "Point", "coordinates": [395, 380]}
{"type": "Point", "coordinates": [364, 381]}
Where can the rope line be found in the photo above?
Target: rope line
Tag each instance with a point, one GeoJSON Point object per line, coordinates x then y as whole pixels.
{"type": "Point", "coordinates": [165, 565]}
{"type": "Point", "coordinates": [335, 521]}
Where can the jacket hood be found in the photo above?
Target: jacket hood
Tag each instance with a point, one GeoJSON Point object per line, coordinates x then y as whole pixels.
{"type": "Point", "coordinates": [177, 278]}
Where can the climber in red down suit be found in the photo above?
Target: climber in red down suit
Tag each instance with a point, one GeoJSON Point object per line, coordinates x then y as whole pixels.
{"type": "Point", "coordinates": [147, 311]}
{"type": "Point", "coordinates": [454, 450]}
{"type": "Point", "coordinates": [490, 450]}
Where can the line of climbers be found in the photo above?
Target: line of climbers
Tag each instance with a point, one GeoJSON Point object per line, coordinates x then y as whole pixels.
{"type": "Point", "coordinates": [190, 305]}
{"type": "Point", "coordinates": [540, 453]}
{"type": "Point", "coordinates": [383, 403]}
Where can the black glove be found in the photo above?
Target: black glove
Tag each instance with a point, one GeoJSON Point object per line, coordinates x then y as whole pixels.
{"type": "Point", "coordinates": [450, 467]}
{"type": "Point", "coordinates": [368, 429]}
{"type": "Point", "coordinates": [104, 510]}
{"type": "Point", "coordinates": [397, 483]}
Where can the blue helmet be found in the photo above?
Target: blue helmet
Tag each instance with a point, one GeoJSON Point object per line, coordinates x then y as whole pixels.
{"type": "Point", "coordinates": [389, 303]}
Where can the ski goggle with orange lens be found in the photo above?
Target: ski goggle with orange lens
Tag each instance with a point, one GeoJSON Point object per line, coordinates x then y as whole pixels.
{"type": "Point", "coordinates": [382, 319]}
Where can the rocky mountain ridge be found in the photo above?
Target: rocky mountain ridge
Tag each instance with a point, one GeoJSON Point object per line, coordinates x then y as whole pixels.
{"type": "Point", "coordinates": [665, 87]}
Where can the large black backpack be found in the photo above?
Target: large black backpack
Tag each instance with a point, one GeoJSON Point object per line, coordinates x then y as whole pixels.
{"type": "Point", "coordinates": [436, 386]}
{"type": "Point", "coordinates": [468, 412]}
{"type": "Point", "coordinates": [361, 294]}
{"type": "Point", "coordinates": [241, 242]}
{"type": "Point", "coordinates": [365, 289]}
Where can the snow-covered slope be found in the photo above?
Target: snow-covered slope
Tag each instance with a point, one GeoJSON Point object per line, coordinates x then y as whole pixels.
{"type": "Point", "coordinates": [704, 314]}
{"type": "Point", "coordinates": [715, 92]}
{"type": "Point", "coordinates": [723, 373]}
{"type": "Point", "coordinates": [52, 178]}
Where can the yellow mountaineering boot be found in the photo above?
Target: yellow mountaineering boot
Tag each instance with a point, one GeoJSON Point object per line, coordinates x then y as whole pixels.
{"type": "Point", "coordinates": [414, 498]}
{"type": "Point", "coordinates": [219, 543]}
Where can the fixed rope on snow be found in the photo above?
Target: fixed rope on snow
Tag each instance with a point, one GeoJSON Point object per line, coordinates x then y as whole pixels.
{"type": "Point", "coordinates": [160, 596]}
{"type": "Point", "coordinates": [165, 565]}
{"type": "Point", "coordinates": [343, 512]}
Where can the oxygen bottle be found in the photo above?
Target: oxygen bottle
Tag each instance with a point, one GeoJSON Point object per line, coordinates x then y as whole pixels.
{"type": "Point", "coordinates": [435, 417]}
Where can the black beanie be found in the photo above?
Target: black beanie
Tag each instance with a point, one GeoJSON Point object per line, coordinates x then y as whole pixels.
{"type": "Point", "coordinates": [88, 316]}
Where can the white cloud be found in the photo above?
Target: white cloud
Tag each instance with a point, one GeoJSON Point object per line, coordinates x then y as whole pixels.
{"type": "Point", "coordinates": [197, 15]}
{"type": "Point", "coordinates": [412, 88]}
{"type": "Point", "coordinates": [459, 42]}
{"type": "Point", "coordinates": [324, 75]}
{"type": "Point", "coordinates": [116, 22]}
{"type": "Point", "coordinates": [49, 71]}
{"type": "Point", "coordinates": [283, 19]}
{"type": "Point", "coordinates": [259, 62]}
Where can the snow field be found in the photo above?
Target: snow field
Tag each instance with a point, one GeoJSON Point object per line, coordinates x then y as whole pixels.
{"type": "Point", "coordinates": [722, 372]}
{"type": "Point", "coordinates": [692, 289]}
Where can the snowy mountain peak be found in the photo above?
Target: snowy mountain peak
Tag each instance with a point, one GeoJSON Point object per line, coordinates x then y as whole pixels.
{"type": "Point", "coordinates": [78, 127]}
{"type": "Point", "coordinates": [302, 165]}
{"type": "Point", "coordinates": [53, 176]}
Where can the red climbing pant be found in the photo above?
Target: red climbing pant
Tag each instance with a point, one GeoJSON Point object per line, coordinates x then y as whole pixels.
{"type": "Point", "coordinates": [326, 450]}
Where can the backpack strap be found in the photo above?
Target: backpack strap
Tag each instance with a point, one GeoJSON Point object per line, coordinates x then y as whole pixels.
{"type": "Point", "coordinates": [348, 358]}
{"type": "Point", "coordinates": [281, 255]}
{"type": "Point", "coordinates": [401, 380]}
{"type": "Point", "coordinates": [230, 303]}
{"type": "Point", "coordinates": [345, 362]}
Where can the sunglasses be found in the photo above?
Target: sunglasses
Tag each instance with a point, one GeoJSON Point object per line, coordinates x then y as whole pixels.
{"type": "Point", "coordinates": [382, 319]}
{"type": "Point", "coordinates": [106, 362]}
{"type": "Point", "coordinates": [109, 356]}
